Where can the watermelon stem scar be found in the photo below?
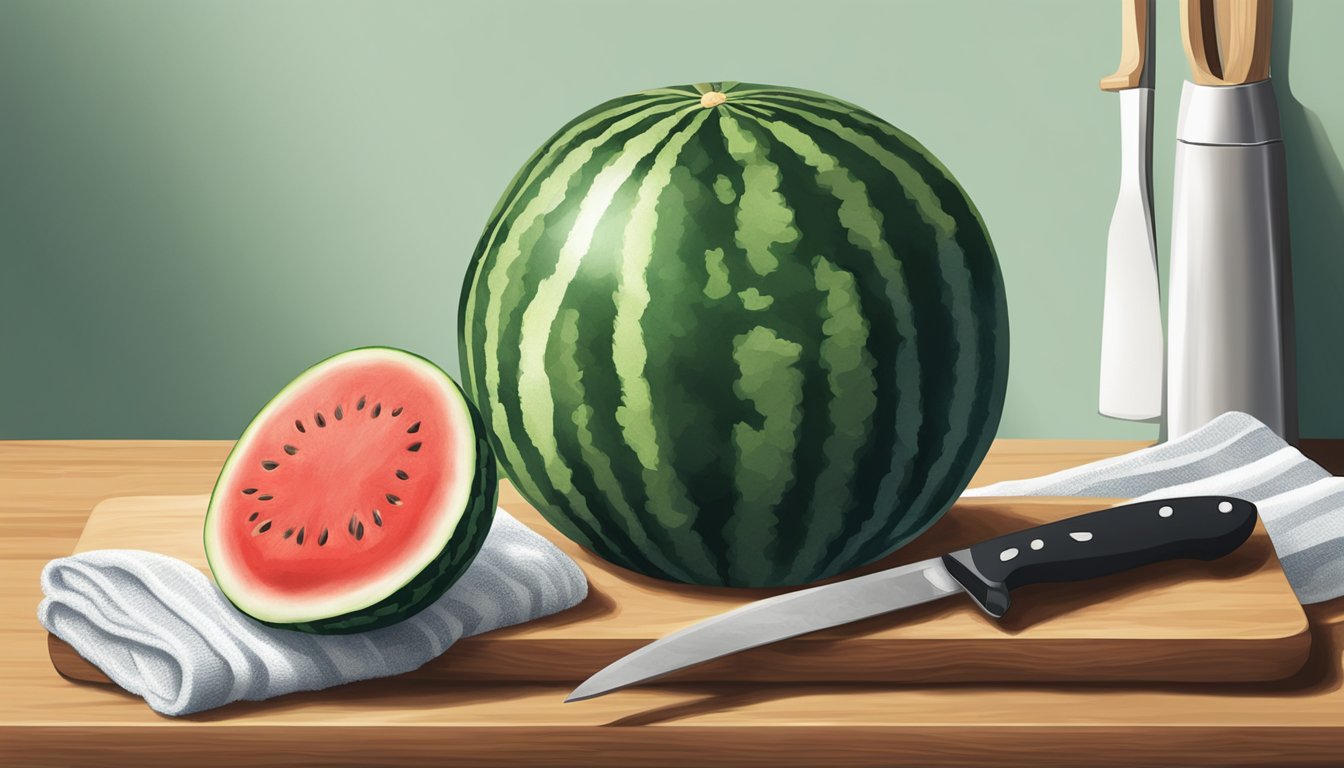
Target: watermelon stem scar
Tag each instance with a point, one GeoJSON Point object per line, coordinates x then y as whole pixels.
{"type": "Point", "coordinates": [712, 99]}
{"type": "Point", "coordinates": [408, 535]}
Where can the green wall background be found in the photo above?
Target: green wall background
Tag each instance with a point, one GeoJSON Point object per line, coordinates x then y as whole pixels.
{"type": "Point", "coordinates": [197, 200]}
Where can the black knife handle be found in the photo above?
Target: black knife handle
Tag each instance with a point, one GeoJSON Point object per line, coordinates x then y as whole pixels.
{"type": "Point", "coordinates": [1099, 543]}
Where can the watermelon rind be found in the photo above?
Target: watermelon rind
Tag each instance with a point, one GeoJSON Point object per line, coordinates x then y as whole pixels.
{"type": "Point", "coordinates": [736, 334]}
{"type": "Point", "coordinates": [443, 557]}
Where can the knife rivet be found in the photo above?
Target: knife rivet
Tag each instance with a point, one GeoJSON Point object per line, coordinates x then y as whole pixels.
{"type": "Point", "coordinates": [1037, 543]}
{"type": "Point", "coordinates": [1225, 507]}
{"type": "Point", "coordinates": [1165, 511]}
{"type": "Point", "coordinates": [1080, 536]}
{"type": "Point", "coordinates": [1008, 554]}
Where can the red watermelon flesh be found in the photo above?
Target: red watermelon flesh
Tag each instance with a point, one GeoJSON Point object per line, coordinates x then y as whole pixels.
{"type": "Point", "coordinates": [354, 484]}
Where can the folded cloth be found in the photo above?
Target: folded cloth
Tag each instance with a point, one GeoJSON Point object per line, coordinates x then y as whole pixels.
{"type": "Point", "coordinates": [160, 629]}
{"type": "Point", "coordinates": [1300, 504]}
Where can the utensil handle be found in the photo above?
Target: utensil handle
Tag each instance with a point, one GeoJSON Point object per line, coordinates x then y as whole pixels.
{"type": "Point", "coordinates": [1227, 42]}
{"type": "Point", "coordinates": [1101, 543]}
{"type": "Point", "coordinates": [1136, 61]}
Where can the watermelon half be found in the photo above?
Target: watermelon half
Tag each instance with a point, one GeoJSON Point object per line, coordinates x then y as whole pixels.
{"type": "Point", "coordinates": [355, 498]}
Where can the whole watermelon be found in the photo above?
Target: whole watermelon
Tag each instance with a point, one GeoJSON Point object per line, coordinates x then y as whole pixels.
{"type": "Point", "coordinates": [736, 334]}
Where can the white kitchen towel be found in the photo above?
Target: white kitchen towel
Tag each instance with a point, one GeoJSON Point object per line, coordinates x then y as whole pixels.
{"type": "Point", "coordinates": [1301, 505]}
{"type": "Point", "coordinates": [160, 629]}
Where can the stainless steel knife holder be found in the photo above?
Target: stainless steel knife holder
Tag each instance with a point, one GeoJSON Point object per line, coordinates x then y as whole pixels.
{"type": "Point", "coordinates": [1230, 345]}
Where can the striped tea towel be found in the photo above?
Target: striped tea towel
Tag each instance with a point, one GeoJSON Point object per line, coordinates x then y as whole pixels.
{"type": "Point", "coordinates": [1301, 505]}
{"type": "Point", "coordinates": [160, 629]}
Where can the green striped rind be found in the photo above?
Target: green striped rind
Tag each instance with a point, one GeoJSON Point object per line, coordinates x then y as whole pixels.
{"type": "Point", "coordinates": [437, 577]}
{"type": "Point", "coordinates": [755, 344]}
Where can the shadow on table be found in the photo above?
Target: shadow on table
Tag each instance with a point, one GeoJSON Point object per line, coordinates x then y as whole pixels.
{"type": "Point", "coordinates": [403, 692]}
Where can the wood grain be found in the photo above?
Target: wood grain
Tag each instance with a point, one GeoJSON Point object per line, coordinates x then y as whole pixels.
{"type": "Point", "coordinates": [46, 489]}
{"type": "Point", "coordinates": [1231, 620]}
{"type": "Point", "coordinates": [1227, 42]}
{"type": "Point", "coordinates": [1134, 43]}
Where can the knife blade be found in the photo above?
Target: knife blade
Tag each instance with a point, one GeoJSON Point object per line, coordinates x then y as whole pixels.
{"type": "Point", "coordinates": [1132, 351]}
{"type": "Point", "coordinates": [1082, 547]}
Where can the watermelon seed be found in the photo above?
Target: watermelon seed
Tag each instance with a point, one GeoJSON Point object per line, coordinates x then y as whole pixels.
{"type": "Point", "coordinates": [359, 532]}
{"type": "Point", "coordinates": [377, 409]}
{"type": "Point", "coordinates": [269, 465]}
{"type": "Point", "coordinates": [288, 532]}
{"type": "Point", "coordinates": [322, 538]}
{"type": "Point", "coordinates": [360, 405]}
{"type": "Point", "coordinates": [291, 450]}
{"type": "Point", "coordinates": [321, 422]}
{"type": "Point", "coordinates": [393, 500]}
{"type": "Point", "coordinates": [351, 527]}
{"type": "Point", "coordinates": [249, 491]}
{"type": "Point", "coordinates": [396, 411]}
{"type": "Point", "coordinates": [252, 517]}
{"type": "Point", "coordinates": [299, 425]}
{"type": "Point", "coordinates": [413, 447]}
{"type": "Point", "coordinates": [414, 428]}
{"type": "Point", "coordinates": [401, 475]}
{"type": "Point", "coordinates": [265, 497]}
{"type": "Point", "coordinates": [266, 526]}
{"type": "Point", "coordinates": [299, 539]}
{"type": "Point", "coordinates": [377, 519]}
{"type": "Point", "coordinates": [339, 413]}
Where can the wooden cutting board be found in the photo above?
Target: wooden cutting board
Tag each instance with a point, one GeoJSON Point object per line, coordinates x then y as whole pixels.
{"type": "Point", "coordinates": [1231, 620]}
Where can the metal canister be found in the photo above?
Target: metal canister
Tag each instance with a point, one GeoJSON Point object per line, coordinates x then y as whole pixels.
{"type": "Point", "coordinates": [1230, 345]}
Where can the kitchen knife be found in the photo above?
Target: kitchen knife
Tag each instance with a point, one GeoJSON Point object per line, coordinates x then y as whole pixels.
{"type": "Point", "coordinates": [1076, 548]}
{"type": "Point", "coordinates": [1131, 317]}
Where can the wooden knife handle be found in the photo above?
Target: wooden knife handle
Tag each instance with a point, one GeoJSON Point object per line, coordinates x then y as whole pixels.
{"type": "Point", "coordinates": [1101, 543]}
{"type": "Point", "coordinates": [1227, 42]}
{"type": "Point", "coordinates": [1136, 35]}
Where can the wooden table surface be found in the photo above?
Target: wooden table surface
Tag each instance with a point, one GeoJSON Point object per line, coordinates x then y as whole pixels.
{"type": "Point", "coordinates": [48, 488]}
